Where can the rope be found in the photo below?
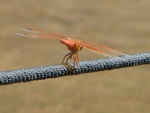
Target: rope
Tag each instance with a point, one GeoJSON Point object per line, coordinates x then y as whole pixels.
{"type": "Point", "coordinates": [53, 71]}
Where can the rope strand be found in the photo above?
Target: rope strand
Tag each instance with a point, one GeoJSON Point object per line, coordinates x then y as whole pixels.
{"type": "Point", "coordinates": [53, 71]}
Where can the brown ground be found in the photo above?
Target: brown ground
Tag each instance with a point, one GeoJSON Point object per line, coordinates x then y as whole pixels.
{"type": "Point", "coordinates": [121, 24]}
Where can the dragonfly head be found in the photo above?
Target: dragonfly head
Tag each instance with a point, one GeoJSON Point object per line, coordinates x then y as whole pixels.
{"type": "Point", "coordinates": [69, 43]}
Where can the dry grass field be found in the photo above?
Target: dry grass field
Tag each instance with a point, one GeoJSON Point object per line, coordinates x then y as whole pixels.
{"type": "Point", "coordinates": [120, 24]}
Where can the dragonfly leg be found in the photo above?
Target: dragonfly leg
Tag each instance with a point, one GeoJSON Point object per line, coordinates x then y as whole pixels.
{"type": "Point", "coordinates": [65, 57]}
{"type": "Point", "coordinates": [70, 56]}
{"type": "Point", "coordinates": [77, 59]}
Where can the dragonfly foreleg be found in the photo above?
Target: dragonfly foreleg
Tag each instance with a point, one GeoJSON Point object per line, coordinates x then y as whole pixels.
{"type": "Point", "coordinates": [65, 57]}
{"type": "Point", "coordinates": [69, 57]}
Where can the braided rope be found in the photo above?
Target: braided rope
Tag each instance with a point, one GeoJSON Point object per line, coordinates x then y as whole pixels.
{"type": "Point", "coordinates": [45, 72]}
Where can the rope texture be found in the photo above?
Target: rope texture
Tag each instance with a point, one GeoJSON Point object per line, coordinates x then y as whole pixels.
{"type": "Point", "coordinates": [45, 72]}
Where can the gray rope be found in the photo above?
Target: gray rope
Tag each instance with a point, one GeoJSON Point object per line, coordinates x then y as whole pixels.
{"type": "Point", "coordinates": [45, 72]}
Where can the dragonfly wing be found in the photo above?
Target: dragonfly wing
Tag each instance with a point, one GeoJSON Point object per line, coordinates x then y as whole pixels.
{"type": "Point", "coordinates": [44, 33]}
{"type": "Point", "coordinates": [36, 36]}
{"type": "Point", "coordinates": [102, 47]}
{"type": "Point", "coordinates": [99, 50]}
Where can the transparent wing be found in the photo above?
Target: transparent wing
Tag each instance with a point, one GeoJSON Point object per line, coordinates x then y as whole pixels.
{"type": "Point", "coordinates": [101, 49]}
{"type": "Point", "coordinates": [101, 46]}
{"type": "Point", "coordinates": [36, 36]}
{"type": "Point", "coordinates": [41, 34]}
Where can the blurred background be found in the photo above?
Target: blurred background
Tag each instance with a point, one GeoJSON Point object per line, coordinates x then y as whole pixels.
{"type": "Point", "coordinates": [120, 24]}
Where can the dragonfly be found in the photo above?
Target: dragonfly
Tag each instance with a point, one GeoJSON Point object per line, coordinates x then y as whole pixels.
{"type": "Point", "coordinates": [73, 44]}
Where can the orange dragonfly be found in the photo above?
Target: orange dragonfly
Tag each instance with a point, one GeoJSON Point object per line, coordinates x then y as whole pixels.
{"type": "Point", "coordinates": [74, 45]}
